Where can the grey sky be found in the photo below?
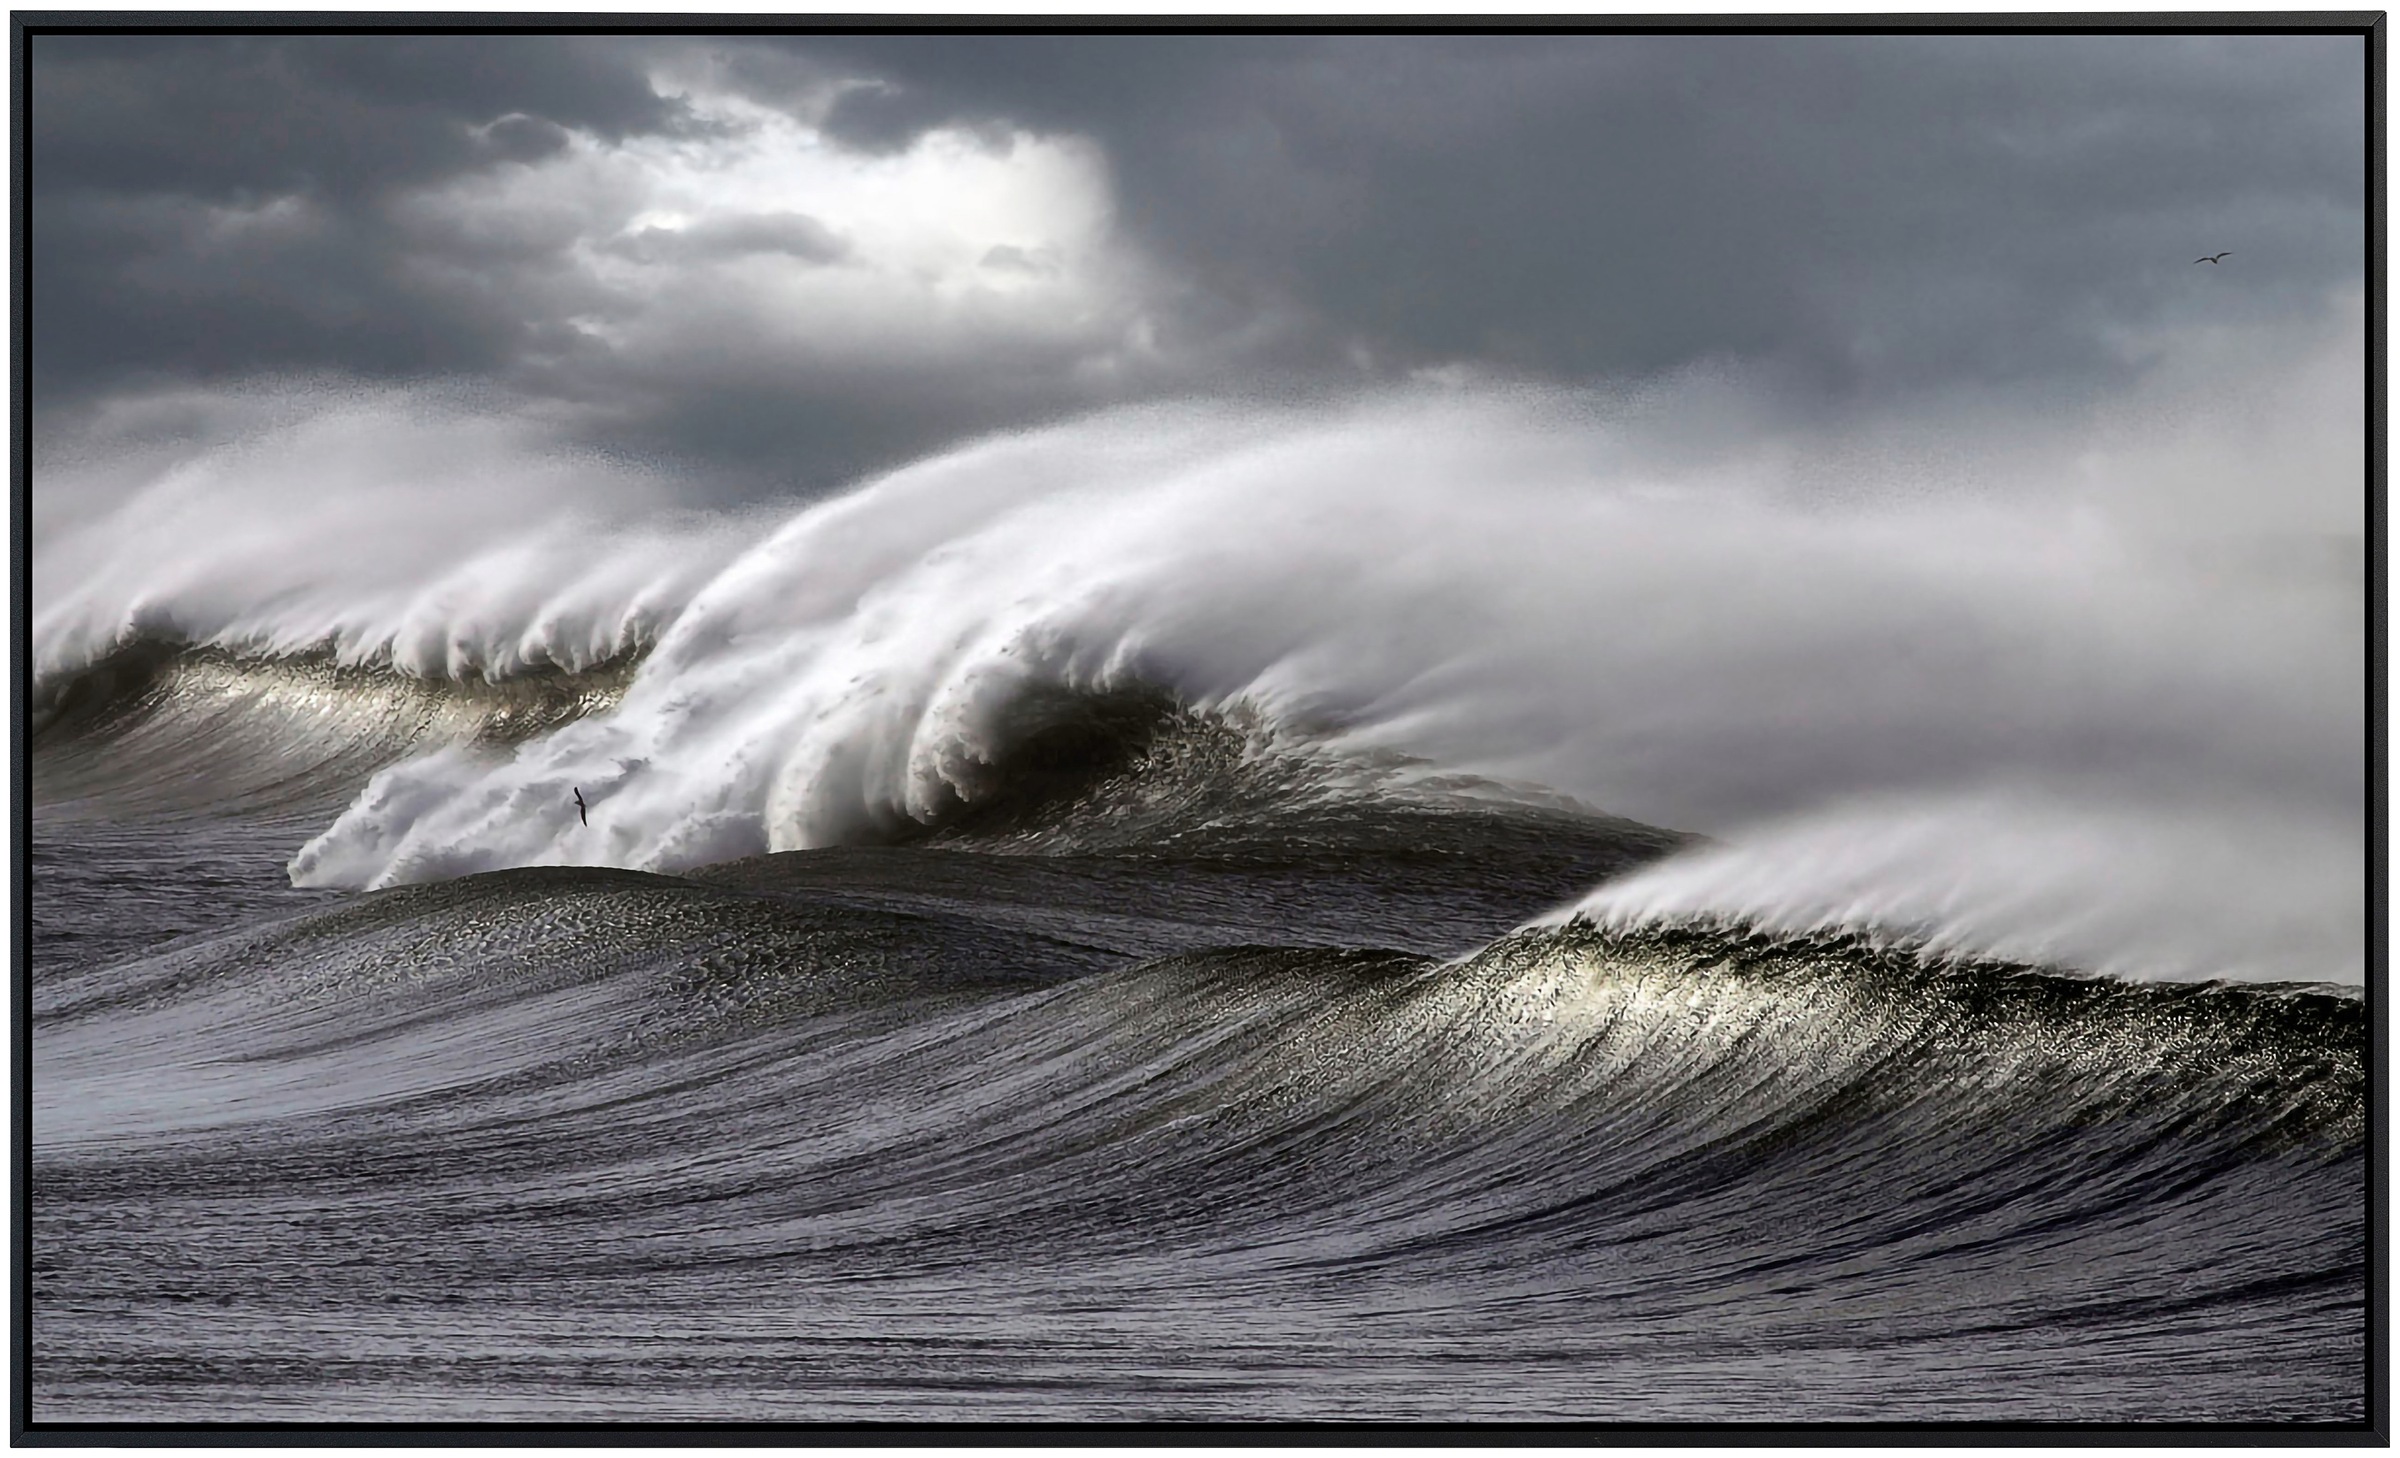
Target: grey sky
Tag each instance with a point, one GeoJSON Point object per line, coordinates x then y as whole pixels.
{"type": "Point", "coordinates": [785, 259]}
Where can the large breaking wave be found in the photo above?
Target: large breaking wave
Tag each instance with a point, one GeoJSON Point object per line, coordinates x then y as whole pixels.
{"type": "Point", "coordinates": [2034, 717]}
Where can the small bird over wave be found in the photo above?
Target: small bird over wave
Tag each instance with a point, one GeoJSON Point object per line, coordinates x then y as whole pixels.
{"type": "Point", "coordinates": [2214, 257]}
{"type": "Point", "coordinates": [583, 812]}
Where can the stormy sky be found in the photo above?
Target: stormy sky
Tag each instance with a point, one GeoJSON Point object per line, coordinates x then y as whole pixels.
{"type": "Point", "coordinates": [777, 261]}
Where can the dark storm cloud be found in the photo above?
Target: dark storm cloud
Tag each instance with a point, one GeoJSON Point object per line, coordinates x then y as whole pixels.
{"type": "Point", "coordinates": [222, 118]}
{"type": "Point", "coordinates": [1870, 211]}
{"type": "Point", "coordinates": [215, 206]}
{"type": "Point", "coordinates": [1849, 217]}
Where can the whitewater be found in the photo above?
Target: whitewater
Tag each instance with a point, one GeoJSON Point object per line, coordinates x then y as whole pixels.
{"type": "Point", "coordinates": [2027, 718]}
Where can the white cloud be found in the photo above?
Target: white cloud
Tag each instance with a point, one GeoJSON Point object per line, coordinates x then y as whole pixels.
{"type": "Point", "coordinates": [752, 241]}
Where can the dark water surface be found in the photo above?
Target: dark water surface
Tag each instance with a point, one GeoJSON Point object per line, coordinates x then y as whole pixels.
{"type": "Point", "coordinates": [1152, 1087]}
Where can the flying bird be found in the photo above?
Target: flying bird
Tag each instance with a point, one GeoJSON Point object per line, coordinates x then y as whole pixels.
{"type": "Point", "coordinates": [583, 812]}
{"type": "Point", "coordinates": [2213, 257]}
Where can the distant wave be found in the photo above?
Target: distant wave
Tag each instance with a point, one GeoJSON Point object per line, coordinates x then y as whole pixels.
{"type": "Point", "coordinates": [370, 529]}
{"type": "Point", "coordinates": [159, 727]}
{"type": "Point", "coordinates": [147, 677]}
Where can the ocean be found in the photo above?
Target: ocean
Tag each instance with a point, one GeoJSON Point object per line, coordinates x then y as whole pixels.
{"type": "Point", "coordinates": [1420, 912]}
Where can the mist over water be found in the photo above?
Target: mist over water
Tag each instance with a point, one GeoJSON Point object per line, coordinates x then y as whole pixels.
{"type": "Point", "coordinates": [412, 532]}
{"type": "Point", "coordinates": [2087, 690]}
{"type": "Point", "coordinates": [2212, 888]}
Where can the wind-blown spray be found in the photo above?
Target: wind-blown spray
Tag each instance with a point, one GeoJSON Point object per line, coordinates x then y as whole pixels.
{"type": "Point", "coordinates": [1880, 706]}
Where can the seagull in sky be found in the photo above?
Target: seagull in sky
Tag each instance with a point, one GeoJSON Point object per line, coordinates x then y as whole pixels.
{"type": "Point", "coordinates": [2214, 257]}
{"type": "Point", "coordinates": [583, 812]}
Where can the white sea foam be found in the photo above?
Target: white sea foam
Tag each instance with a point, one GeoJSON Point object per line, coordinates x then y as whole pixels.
{"type": "Point", "coordinates": [2022, 692]}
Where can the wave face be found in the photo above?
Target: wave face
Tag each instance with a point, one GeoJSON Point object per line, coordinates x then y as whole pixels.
{"type": "Point", "coordinates": [1166, 916]}
{"type": "Point", "coordinates": [907, 1132]}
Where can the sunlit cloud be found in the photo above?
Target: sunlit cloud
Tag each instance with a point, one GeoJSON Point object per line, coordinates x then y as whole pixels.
{"type": "Point", "coordinates": [753, 241]}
